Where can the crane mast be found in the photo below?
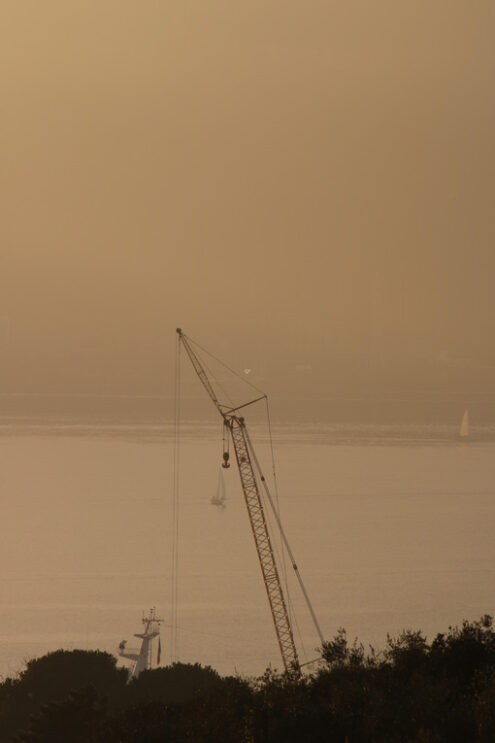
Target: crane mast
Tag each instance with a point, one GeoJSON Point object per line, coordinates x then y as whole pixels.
{"type": "Point", "coordinates": [245, 461]}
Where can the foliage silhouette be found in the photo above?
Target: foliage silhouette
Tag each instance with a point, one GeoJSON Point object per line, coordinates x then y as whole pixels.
{"type": "Point", "coordinates": [81, 718]}
{"type": "Point", "coordinates": [412, 692]}
{"type": "Point", "coordinates": [52, 678]}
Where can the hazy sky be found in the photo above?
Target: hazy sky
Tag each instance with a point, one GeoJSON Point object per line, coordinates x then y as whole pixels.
{"type": "Point", "coordinates": [291, 182]}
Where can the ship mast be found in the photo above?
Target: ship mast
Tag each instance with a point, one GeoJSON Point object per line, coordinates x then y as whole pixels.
{"type": "Point", "coordinates": [142, 660]}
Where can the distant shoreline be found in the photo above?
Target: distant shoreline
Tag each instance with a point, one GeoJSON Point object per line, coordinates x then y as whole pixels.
{"type": "Point", "coordinates": [422, 408]}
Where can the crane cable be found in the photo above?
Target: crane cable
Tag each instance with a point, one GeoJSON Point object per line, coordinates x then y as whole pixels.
{"type": "Point", "coordinates": [175, 508]}
{"type": "Point", "coordinates": [285, 541]}
{"type": "Point", "coordinates": [225, 366]}
{"type": "Point", "coordinates": [282, 551]}
{"type": "Point", "coordinates": [274, 507]}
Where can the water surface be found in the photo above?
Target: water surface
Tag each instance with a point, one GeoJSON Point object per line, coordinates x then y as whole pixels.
{"type": "Point", "coordinates": [392, 528]}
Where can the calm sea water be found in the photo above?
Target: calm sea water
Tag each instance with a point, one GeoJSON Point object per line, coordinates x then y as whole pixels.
{"type": "Point", "coordinates": [392, 528]}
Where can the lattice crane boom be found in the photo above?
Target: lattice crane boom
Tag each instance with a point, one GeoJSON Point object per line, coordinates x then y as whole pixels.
{"type": "Point", "coordinates": [252, 496]}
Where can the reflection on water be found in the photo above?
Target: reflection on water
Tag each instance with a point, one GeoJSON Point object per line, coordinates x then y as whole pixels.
{"type": "Point", "coordinates": [391, 527]}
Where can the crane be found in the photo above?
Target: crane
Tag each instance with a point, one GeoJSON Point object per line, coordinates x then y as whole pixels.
{"type": "Point", "coordinates": [247, 462]}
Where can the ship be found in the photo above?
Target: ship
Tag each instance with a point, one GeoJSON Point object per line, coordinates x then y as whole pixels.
{"type": "Point", "coordinates": [141, 658]}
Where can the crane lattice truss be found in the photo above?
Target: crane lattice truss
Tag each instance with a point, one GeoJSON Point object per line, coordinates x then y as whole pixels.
{"type": "Point", "coordinates": [250, 488]}
{"type": "Point", "coordinates": [263, 544]}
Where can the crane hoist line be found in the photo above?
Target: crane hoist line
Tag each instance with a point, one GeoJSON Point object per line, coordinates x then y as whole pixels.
{"type": "Point", "coordinates": [250, 472]}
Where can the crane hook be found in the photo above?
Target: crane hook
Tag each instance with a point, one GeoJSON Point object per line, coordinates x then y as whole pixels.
{"type": "Point", "coordinates": [226, 455]}
{"type": "Point", "coordinates": [226, 440]}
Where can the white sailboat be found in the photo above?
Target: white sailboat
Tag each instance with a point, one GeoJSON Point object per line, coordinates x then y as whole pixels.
{"type": "Point", "coordinates": [220, 497]}
{"type": "Point", "coordinates": [464, 429]}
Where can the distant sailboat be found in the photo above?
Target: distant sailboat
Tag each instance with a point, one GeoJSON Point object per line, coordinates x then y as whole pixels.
{"type": "Point", "coordinates": [464, 430]}
{"type": "Point", "coordinates": [220, 497]}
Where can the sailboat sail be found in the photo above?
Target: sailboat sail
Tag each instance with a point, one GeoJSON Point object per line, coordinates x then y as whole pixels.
{"type": "Point", "coordinates": [464, 430]}
{"type": "Point", "coordinates": [220, 497]}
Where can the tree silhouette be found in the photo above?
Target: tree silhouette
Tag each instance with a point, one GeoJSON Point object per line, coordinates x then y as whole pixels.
{"type": "Point", "coordinates": [414, 691]}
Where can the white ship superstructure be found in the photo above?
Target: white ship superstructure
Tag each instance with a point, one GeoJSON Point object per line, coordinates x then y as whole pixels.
{"type": "Point", "coordinates": [142, 658]}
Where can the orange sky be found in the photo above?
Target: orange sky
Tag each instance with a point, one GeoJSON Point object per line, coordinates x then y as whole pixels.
{"type": "Point", "coordinates": [291, 182]}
